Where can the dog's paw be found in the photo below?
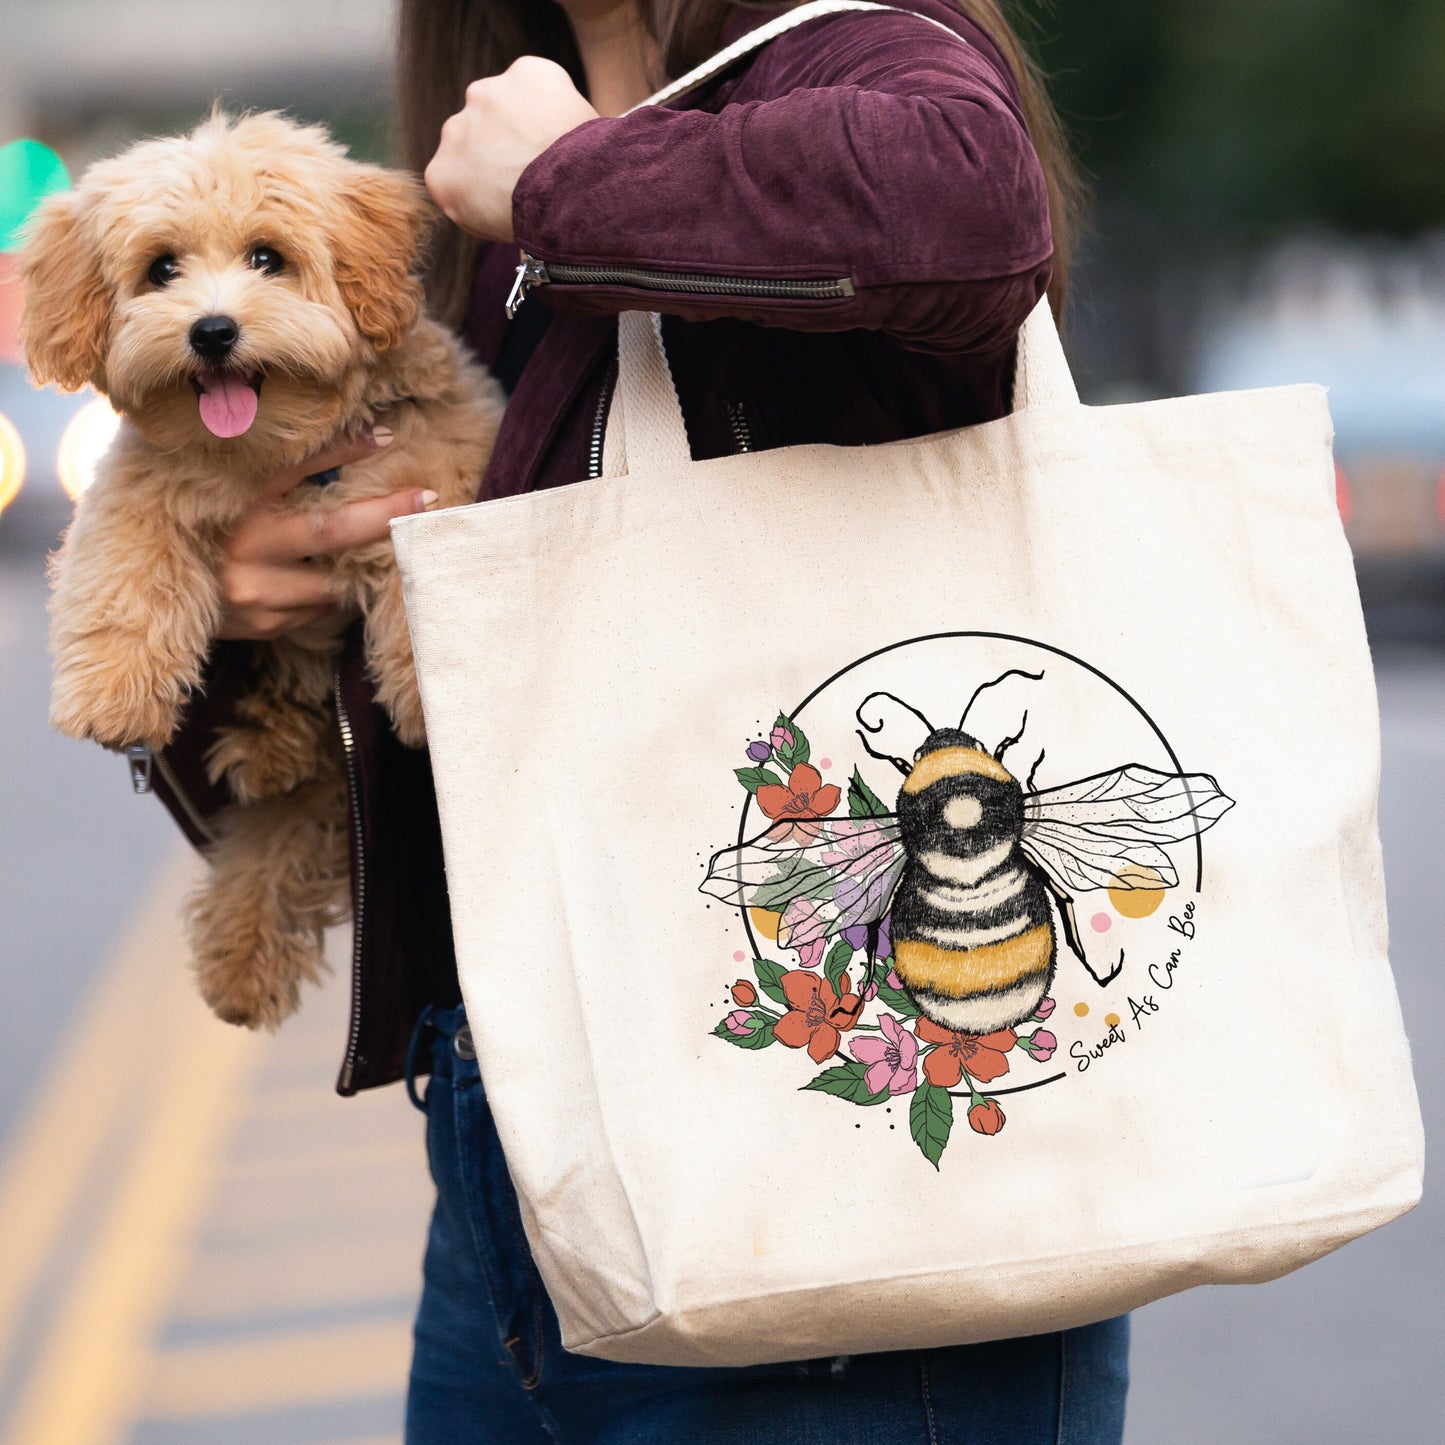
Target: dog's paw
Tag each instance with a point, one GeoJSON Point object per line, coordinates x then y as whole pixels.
{"type": "Point", "coordinates": [108, 706]}
{"type": "Point", "coordinates": [260, 764]}
{"type": "Point", "coordinates": [253, 990]}
{"type": "Point", "coordinates": [407, 721]}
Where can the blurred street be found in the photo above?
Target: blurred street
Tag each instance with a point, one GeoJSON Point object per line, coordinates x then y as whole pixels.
{"type": "Point", "coordinates": [201, 1244]}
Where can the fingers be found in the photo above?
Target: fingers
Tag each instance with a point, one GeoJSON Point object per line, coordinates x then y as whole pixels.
{"type": "Point", "coordinates": [340, 453]}
{"type": "Point", "coordinates": [267, 625]}
{"type": "Point", "coordinates": [354, 524]}
{"type": "Point", "coordinates": [251, 588]}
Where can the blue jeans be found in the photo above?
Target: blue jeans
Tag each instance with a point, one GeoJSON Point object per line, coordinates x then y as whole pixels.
{"type": "Point", "coordinates": [489, 1363]}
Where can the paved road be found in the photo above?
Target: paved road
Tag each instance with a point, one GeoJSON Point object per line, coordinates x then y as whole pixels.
{"type": "Point", "coordinates": [199, 1243]}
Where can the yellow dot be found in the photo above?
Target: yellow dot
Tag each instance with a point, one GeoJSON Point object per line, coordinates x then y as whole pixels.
{"type": "Point", "coordinates": [1112, 1020]}
{"type": "Point", "coordinates": [766, 922]}
{"type": "Point", "coordinates": [1081, 1009]}
{"type": "Point", "coordinates": [1136, 891]}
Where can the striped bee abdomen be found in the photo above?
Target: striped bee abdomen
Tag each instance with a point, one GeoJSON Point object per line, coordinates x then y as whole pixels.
{"type": "Point", "coordinates": [971, 924]}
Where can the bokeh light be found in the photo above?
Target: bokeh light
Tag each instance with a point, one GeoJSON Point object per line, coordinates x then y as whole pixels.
{"type": "Point", "coordinates": [29, 171]}
{"type": "Point", "coordinates": [87, 438]}
{"type": "Point", "coordinates": [12, 461]}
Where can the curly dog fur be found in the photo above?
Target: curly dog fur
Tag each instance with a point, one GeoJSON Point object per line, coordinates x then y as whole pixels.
{"type": "Point", "coordinates": [332, 339]}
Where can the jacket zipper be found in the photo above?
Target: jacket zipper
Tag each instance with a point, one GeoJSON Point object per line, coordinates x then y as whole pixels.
{"type": "Point", "coordinates": [358, 889]}
{"type": "Point", "coordinates": [599, 423]}
{"type": "Point", "coordinates": [533, 273]}
{"type": "Point", "coordinates": [742, 428]}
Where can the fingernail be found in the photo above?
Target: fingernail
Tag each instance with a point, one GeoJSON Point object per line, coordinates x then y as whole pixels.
{"type": "Point", "coordinates": [383, 436]}
{"type": "Point", "coordinates": [427, 498]}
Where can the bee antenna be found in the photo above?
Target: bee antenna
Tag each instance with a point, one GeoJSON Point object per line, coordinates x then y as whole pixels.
{"type": "Point", "coordinates": [1007, 743]}
{"type": "Point", "coordinates": [1033, 771]}
{"type": "Point", "coordinates": [878, 726]}
{"type": "Point", "coordinates": [882, 757]}
{"type": "Point", "coordinates": [984, 686]}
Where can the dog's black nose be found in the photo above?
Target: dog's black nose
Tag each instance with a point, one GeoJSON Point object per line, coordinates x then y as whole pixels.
{"type": "Point", "coordinates": [212, 337]}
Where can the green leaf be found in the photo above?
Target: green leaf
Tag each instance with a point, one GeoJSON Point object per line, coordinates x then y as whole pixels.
{"type": "Point", "coordinates": [770, 979]}
{"type": "Point", "coordinates": [754, 778]}
{"type": "Point", "coordinates": [846, 1082]}
{"type": "Point", "coordinates": [838, 959]}
{"type": "Point", "coordinates": [759, 1038]}
{"type": "Point", "coordinates": [863, 802]}
{"type": "Point", "coordinates": [930, 1117]}
{"type": "Point", "coordinates": [799, 751]}
{"type": "Point", "coordinates": [895, 998]}
{"type": "Point", "coordinates": [796, 878]}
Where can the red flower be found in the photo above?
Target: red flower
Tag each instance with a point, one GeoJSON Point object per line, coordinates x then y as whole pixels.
{"type": "Point", "coordinates": [805, 796]}
{"type": "Point", "coordinates": [816, 1014]}
{"type": "Point", "coordinates": [744, 993]}
{"type": "Point", "coordinates": [986, 1117]}
{"type": "Point", "coordinates": [980, 1055]}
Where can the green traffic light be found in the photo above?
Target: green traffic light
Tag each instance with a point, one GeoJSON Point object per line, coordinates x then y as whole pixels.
{"type": "Point", "coordinates": [29, 171]}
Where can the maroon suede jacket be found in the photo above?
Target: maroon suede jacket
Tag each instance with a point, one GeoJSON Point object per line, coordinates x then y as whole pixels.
{"type": "Point", "coordinates": [844, 234]}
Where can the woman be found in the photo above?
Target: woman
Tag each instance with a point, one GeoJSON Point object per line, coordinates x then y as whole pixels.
{"type": "Point", "coordinates": [926, 169]}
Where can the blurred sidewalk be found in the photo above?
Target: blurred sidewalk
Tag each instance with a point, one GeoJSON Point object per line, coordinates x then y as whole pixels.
{"type": "Point", "coordinates": [199, 1240]}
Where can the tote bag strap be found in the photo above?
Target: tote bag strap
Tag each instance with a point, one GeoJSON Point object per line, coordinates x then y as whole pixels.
{"type": "Point", "coordinates": [645, 428]}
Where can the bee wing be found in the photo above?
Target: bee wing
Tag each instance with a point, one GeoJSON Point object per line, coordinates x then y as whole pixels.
{"type": "Point", "coordinates": [847, 868]}
{"type": "Point", "coordinates": [1088, 834]}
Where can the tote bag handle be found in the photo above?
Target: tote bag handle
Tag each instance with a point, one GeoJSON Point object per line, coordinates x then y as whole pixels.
{"type": "Point", "coordinates": [645, 428]}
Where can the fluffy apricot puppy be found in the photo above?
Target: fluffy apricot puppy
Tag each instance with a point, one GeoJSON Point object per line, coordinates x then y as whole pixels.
{"type": "Point", "coordinates": [244, 295]}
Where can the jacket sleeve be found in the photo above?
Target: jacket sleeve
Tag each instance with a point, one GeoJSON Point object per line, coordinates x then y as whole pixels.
{"type": "Point", "coordinates": [884, 152]}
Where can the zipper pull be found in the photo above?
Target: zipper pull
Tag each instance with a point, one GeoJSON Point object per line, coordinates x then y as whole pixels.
{"type": "Point", "coordinates": [531, 272]}
{"type": "Point", "coordinates": [140, 758]}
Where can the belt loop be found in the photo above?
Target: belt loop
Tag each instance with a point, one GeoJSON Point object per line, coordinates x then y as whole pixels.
{"type": "Point", "coordinates": [413, 1050]}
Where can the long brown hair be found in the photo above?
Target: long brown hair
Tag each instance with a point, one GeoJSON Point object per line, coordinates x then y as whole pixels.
{"type": "Point", "coordinates": [443, 45]}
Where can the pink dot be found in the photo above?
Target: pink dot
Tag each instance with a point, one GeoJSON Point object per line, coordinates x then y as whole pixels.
{"type": "Point", "coordinates": [739, 956]}
{"type": "Point", "coordinates": [1101, 923]}
{"type": "Point", "coordinates": [825, 763]}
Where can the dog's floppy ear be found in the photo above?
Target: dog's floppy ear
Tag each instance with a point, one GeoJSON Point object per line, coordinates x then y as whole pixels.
{"type": "Point", "coordinates": [377, 247]}
{"type": "Point", "coordinates": [66, 310]}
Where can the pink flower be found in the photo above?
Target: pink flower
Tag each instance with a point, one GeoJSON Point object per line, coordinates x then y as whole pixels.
{"type": "Point", "coordinates": [893, 981]}
{"type": "Point", "coordinates": [1041, 1044]}
{"type": "Point", "coordinates": [804, 932]}
{"type": "Point", "coordinates": [892, 1060]}
{"type": "Point", "coordinates": [739, 1021]}
{"type": "Point", "coordinates": [781, 737]}
{"type": "Point", "coordinates": [1045, 1008]}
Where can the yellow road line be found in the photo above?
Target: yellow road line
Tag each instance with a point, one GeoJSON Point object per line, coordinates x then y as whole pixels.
{"type": "Point", "coordinates": [274, 1371]}
{"type": "Point", "coordinates": [91, 1370]}
{"type": "Point", "coordinates": [94, 1075]}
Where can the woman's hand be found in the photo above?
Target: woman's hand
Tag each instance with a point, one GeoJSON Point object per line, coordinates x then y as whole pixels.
{"type": "Point", "coordinates": [270, 582]}
{"type": "Point", "coordinates": [508, 121]}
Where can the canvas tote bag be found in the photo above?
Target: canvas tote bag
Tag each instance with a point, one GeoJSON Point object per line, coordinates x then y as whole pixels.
{"type": "Point", "coordinates": [712, 935]}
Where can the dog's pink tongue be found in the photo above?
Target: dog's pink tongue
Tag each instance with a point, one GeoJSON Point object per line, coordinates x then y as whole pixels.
{"type": "Point", "coordinates": [228, 403]}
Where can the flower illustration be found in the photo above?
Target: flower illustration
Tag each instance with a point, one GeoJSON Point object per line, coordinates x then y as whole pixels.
{"type": "Point", "coordinates": [804, 931]}
{"type": "Point", "coordinates": [759, 752]}
{"type": "Point", "coordinates": [985, 1117]}
{"type": "Point", "coordinates": [1041, 1044]}
{"type": "Point", "coordinates": [816, 1014]}
{"type": "Point", "coordinates": [744, 993]}
{"type": "Point", "coordinates": [805, 795]}
{"type": "Point", "coordinates": [892, 1060]}
{"type": "Point", "coordinates": [1045, 1008]}
{"type": "Point", "coordinates": [980, 1056]}
{"type": "Point", "coordinates": [782, 737]}
{"type": "Point", "coordinates": [739, 1021]}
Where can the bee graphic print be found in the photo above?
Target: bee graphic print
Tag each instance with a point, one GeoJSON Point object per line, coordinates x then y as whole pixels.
{"type": "Point", "coordinates": [975, 871]}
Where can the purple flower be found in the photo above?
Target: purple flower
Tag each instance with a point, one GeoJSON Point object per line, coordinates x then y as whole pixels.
{"type": "Point", "coordinates": [739, 1021]}
{"type": "Point", "coordinates": [856, 937]}
{"type": "Point", "coordinates": [1044, 1009]}
{"type": "Point", "coordinates": [892, 1060]}
{"type": "Point", "coordinates": [759, 752]}
{"type": "Point", "coordinates": [1041, 1044]}
{"type": "Point", "coordinates": [782, 737]}
{"type": "Point", "coordinates": [885, 943]}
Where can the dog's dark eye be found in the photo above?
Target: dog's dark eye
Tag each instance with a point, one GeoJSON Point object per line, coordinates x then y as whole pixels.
{"type": "Point", "coordinates": [163, 270]}
{"type": "Point", "coordinates": [264, 258]}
